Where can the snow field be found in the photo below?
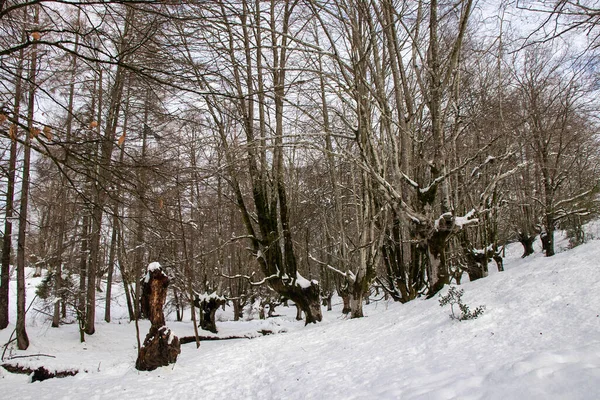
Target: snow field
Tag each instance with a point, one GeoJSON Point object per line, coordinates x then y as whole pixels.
{"type": "Point", "coordinates": [539, 338]}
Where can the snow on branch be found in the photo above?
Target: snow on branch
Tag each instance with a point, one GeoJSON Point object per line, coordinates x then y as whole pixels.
{"type": "Point", "coordinates": [458, 168]}
{"type": "Point", "coordinates": [249, 278]}
{"type": "Point", "coordinates": [207, 297]}
{"type": "Point", "coordinates": [410, 181]}
{"type": "Point", "coordinates": [348, 275]}
{"type": "Point", "coordinates": [303, 282]}
{"type": "Point", "coordinates": [468, 219]}
{"type": "Point", "coordinates": [575, 198]}
{"type": "Point", "coordinates": [492, 186]}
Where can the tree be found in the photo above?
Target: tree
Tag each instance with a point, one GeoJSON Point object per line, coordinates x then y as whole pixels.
{"type": "Point", "coordinates": [555, 124]}
{"type": "Point", "coordinates": [11, 178]}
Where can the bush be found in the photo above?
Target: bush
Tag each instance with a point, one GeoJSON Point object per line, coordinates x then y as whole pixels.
{"type": "Point", "coordinates": [454, 298]}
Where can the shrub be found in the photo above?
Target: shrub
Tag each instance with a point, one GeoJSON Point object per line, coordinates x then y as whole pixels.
{"type": "Point", "coordinates": [454, 298]}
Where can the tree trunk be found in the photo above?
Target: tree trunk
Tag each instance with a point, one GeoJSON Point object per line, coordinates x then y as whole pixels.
{"type": "Point", "coordinates": [238, 309]}
{"type": "Point", "coordinates": [161, 347]}
{"type": "Point", "coordinates": [499, 262]}
{"type": "Point", "coordinates": [62, 219]}
{"type": "Point", "coordinates": [9, 200]}
{"type": "Point", "coordinates": [346, 300]}
{"type": "Point", "coordinates": [111, 265]}
{"type": "Point", "coordinates": [548, 239]}
{"type": "Point", "coordinates": [526, 241]}
{"type": "Point", "coordinates": [208, 306]}
{"type": "Point", "coordinates": [83, 266]}
{"type": "Point", "coordinates": [22, 339]}
{"type": "Point", "coordinates": [438, 273]}
{"type": "Point", "coordinates": [356, 306]}
{"type": "Point", "coordinates": [178, 306]}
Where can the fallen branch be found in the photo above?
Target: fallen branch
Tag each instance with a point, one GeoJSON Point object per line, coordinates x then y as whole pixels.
{"type": "Point", "coordinates": [31, 355]}
{"type": "Point", "coordinates": [191, 339]}
{"type": "Point", "coordinates": [39, 374]}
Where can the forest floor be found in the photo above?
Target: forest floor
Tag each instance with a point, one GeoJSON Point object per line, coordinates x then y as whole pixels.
{"type": "Point", "coordinates": [539, 338]}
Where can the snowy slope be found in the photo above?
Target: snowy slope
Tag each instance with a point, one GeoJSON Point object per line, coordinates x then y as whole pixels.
{"type": "Point", "coordinates": [539, 338]}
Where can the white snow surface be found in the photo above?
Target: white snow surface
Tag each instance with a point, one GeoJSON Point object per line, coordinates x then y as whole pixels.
{"type": "Point", "coordinates": [539, 338]}
{"type": "Point", "coordinates": [154, 266]}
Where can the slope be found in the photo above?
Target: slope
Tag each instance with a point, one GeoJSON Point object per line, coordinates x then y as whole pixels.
{"type": "Point", "coordinates": [539, 338]}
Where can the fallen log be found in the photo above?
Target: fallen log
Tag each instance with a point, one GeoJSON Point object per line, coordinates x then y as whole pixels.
{"type": "Point", "coordinates": [190, 339]}
{"type": "Point", "coordinates": [39, 374]}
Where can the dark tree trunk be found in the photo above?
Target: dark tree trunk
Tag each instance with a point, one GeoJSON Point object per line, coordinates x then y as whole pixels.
{"type": "Point", "coordinates": [111, 266]}
{"type": "Point", "coordinates": [327, 300]}
{"type": "Point", "coordinates": [346, 301]}
{"type": "Point", "coordinates": [499, 262]}
{"type": "Point", "coordinates": [438, 273]}
{"type": "Point", "coordinates": [272, 306]}
{"type": "Point", "coordinates": [154, 293]}
{"type": "Point", "coordinates": [9, 199]}
{"type": "Point", "coordinates": [526, 241]}
{"type": "Point", "coordinates": [22, 338]}
{"type": "Point", "coordinates": [547, 237]}
{"type": "Point", "coordinates": [356, 306]}
{"type": "Point", "coordinates": [238, 309]}
{"type": "Point", "coordinates": [208, 306]}
{"type": "Point", "coordinates": [161, 347]}
{"type": "Point", "coordinates": [178, 307]}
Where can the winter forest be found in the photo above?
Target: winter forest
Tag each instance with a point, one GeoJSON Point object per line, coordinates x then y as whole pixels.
{"type": "Point", "coordinates": [272, 152]}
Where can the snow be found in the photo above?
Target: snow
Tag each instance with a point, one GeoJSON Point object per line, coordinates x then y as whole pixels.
{"type": "Point", "coordinates": [153, 266]}
{"type": "Point", "coordinates": [468, 219]}
{"type": "Point", "coordinates": [537, 339]}
{"type": "Point", "coordinates": [303, 282]}
{"type": "Point", "coordinates": [207, 297]}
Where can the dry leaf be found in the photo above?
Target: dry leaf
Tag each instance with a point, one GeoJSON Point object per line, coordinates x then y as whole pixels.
{"type": "Point", "coordinates": [161, 203]}
{"type": "Point", "coordinates": [3, 118]}
{"type": "Point", "coordinates": [93, 124]}
{"type": "Point", "coordinates": [34, 132]}
{"type": "Point", "coordinates": [12, 131]}
{"type": "Point", "coordinates": [47, 132]}
{"type": "Point", "coordinates": [121, 139]}
{"type": "Point", "coordinates": [36, 35]}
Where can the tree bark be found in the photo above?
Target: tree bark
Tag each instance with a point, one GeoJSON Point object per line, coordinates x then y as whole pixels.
{"type": "Point", "coordinates": [22, 339]}
{"type": "Point", "coordinates": [9, 201]}
{"type": "Point", "coordinates": [208, 306]}
{"type": "Point", "coordinates": [161, 347]}
{"type": "Point", "coordinates": [526, 241]}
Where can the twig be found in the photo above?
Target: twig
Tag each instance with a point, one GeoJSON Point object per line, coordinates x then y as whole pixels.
{"type": "Point", "coordinates": [32, 355]}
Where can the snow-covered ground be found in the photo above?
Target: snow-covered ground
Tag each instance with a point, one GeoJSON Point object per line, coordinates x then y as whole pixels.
{"type": "Point", "coordinates": [539, 338]}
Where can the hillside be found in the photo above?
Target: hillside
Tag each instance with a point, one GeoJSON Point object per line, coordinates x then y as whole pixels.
{"type": "Point", "coordinates": [539, 338]}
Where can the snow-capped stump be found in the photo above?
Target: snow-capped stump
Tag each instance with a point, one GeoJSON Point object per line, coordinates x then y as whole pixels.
{"type": "Point", "coordinates": [154, 293]}
{"type": "Point", "coordinates": [161, 347]}
{"type": "Point", "coordinates": [208, 304]}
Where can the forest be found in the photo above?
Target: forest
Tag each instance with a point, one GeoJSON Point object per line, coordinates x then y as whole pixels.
{"type": "Point", "coordinates": [287, 150]}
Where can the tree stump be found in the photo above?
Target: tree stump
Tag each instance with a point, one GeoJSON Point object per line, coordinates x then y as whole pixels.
{"type": "Point", "coordinates": [208, 305]}
{"type": "Point", "coordinates": [161, 347]}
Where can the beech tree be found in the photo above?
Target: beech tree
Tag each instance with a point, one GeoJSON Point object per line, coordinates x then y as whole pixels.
{"type": "Point", "coordinates": [555, 125]}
